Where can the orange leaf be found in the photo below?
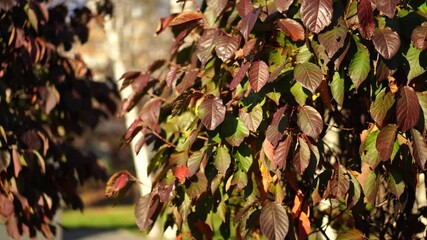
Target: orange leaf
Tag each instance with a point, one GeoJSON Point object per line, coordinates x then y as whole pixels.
{"type": "Point", "coordinates": [185, 17]}
{"type": "Point", "coordinates": [296, 209]}
{"type": "Point", "coordinates": [181, 173]}
{"type": "Point", "coordinates": [303, 226]}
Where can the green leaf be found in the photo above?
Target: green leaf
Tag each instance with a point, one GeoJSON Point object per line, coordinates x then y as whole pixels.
{"type": "Point", "coordinates": [334, 39]}
{"type": "Point", "coordinates": [337, 88]}
{"type": "Point", "coordinates": [396, 183]}
{"type": "Point", "coordinates": [413, 57]}
{"type": "Point", "coordinates": [212, 112]}
{"type": "Point", "coordinates": [385, 141]}
{"type": "Point", "coordinates": [407, 109]}
{"type": "Point", "coordinates": [236, 131]}
{"type": "Point", "coordinates": [275, 96]}
{"type": "Point", "coordinates": [309, 121]}
{"type": "Point", "coordinates": [197, 188]}
{"type": "Point", "coordinates": [240, 179]}
{"type": "Point", "coordinates": [381, 105]}
{"type": "Point", "coordinates": [304, 55]}
{"type": "Point", "coordinates": [222, 159]}
{"type": "Point", "coordinates": [302, 156]}
{"type": "Point", "coordinates": [274, 221]}
{"type": "Point", "coordinates": [243, 158]}
{"type": "Point", "coordinates": [372, 156]}
{"type": "Point", "coordinates": [194, 160]}
{"type": "Point", "coordinates": [309, 75]}
{"type": "Point", "coordinates": [371, 187]}
{"type": "Point", "coordinates": [32, 18]}
{"type": "Point", "coordinates": [252, 119]}
{"type": "Point", "coordinates": [298, 93]}
{"type": "Point", "coordinates": [360, 65]}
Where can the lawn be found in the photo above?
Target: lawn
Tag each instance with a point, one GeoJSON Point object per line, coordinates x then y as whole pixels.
{"type": "Point", "coordinates": [119, 217]}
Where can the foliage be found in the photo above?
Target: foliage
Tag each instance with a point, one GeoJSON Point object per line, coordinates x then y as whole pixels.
{"type": "Point", "coordinates": [47, 97]}
{"type": "Point", "coordinates": [267, 108]}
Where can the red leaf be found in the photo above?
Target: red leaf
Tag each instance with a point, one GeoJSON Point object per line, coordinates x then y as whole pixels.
{"type": "Point", "coordinates": [309, 121]}
{"type": "Point", "coordinates": [205, 45]}
{"type": "Point", "coordinates": [239, 75]}
{"type": "Point", "coordinates": [388, 7]}
{"type": "Point", "coordinates": [292, 28]}
{"type": "Point", "coordinates": [188, 80]}
{"type": "Point", "coordinates": [366, 19]}
{"type": "Point", "coordinates": [118, 182]}
{"type": "Point", "coordinates": [385, 141]}
{"type": "Point", "coordinates": [268, 149]}
{"type": "Point", "coordinates": [408, 109]}
{"type": "Point", "coordinates": [258, 75]}
{"type": "Point", "coordinates": [274, 221]}
{"type": "Point", "coordinates": [281, 152]}
{"type": "Point", "coordinates": [6, 206]}
{"type": "Point", "coordinates": [248, 22]}
{"type": "Point", "coordinates": [301, 156]}
{"type": "Point", "coordinates": [164, 23]}
{"type": "Point", "coordinates": [212, 112]}
{"type": "Point", "coordinates": [226, 46]}
{"type": "Point", "coordinates": [386, 42]}
{"type": "Point", "coordinates": [316, 14]}
{"type": "Point", "coordinates": [309, 75]}
{"type": "Point", "coordinates": [244, 7]}
{"type": "Point", "coordinates": [185, 17]}
{"type": "Point", "coordinates": [419, 37]}
{"type": "Point", "coordinates": [181, 173]}
{"type": "Point", "coordinates": [283, 5]}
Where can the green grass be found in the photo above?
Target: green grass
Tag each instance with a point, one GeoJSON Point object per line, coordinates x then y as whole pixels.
{"type": "Point", "coordinates": [101, 217]}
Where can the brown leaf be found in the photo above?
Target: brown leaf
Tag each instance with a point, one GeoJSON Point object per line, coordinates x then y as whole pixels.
{"type": "Point", "coordinates": [185, 17]}
{"type": "Point", "coordinates": [366, 19]}
{"type": "Point", "coordinates": [292, 28]}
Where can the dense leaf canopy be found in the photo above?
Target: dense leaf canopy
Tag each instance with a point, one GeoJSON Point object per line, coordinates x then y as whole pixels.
{"type": "Point", "coordinates": [46, 99]}
{"type": "Point", "coordinates": [276, 106]}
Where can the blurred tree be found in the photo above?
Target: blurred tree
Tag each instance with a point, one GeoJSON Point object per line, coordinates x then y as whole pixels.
{"type": "Point", "coordinates": [47, 97]}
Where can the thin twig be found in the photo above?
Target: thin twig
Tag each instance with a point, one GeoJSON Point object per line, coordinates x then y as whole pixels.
{"type": "Point", "coordinates": [338, 127]}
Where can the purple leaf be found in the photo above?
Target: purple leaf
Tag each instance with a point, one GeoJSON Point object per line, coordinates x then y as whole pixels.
{"type": "Point", "coordinates": [283, 5]}
{"type": "Point", "coordinates": [239, 75]}
{"type": "Point", "coordinates": [366, 19]}
{"type": "Point", "coordinates": [274, 221]}
{"type": "Point", "coordinates": [309, 75]}
{"type": "Point", "coordinates": [419, 37]}
{"type": "Point", "coordinates": [292, 28]}
{"type": "Point", "coordinates": [248, 22]}
{"type": "Point", "coordinates": [188, 80]}
{"type": "Point", "coordinates": [334, 39]}
{"type": "Point", "coordinates": [218, 6]}
{"type": "Point", "coordinates": [281, 152]}
{"type": "Point", "coordinates": [309, 121]}
{"type": "Point", "coordinates": [388, 7]}
{"type": "Point", "coordinates": [226, 46]}
{"type": "Point", "coordinates": [385, 141]}
{"type": "Point", "coordinates": [212, 112]}
{"type": "Point", "coordinates": [386, 42]}
{"type": "Point", "coordinates": [408, 109]}
{"type": "Point", "coordinates": [144, 209]}
{"type": "Point", "coordinates": [205, 45]}
{"type": "Point", "coordinates": [316, 14]}
{"type": "Point", "coordinates": [301, 156]}
{"type": "Point", "coordinates": [171, 76]}
{"type": "Point", "coordinates": [258, 75]}
{"type": "Point", "coordinates": [244, 7]}
{"type": "Point", "coordinates": [252, 119]}
{"type": "Point", "coordinates": [340, 182]}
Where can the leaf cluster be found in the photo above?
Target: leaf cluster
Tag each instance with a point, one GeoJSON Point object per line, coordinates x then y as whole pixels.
{"type": "Point", "coordinates": [267, 108]}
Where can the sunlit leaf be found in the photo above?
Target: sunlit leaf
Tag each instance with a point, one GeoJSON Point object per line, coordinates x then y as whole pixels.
{"type": "Point", "coordinates": [407, 109]}
{"type": "Point", "coordinates": [340, 181]}
{"type": "Point", "coordinates": [205, 45]}
{"type": "Point", "coordinates": [360, 65]}
{"type": "Point", "coordinates": [309, 75]}
{"type": "Point", "coordinates": [283, 5]}
{"type": "Point", "coordinates": [371, 187]}
{"type": "Point", "coordinates": [274, 221]}
{"type": "Point", "coordinates": [298, 93]}
{"type": "Point", "coordinates": [244, 7]}
{"type": "Point", "coordinates": [292, 28]}
{"type": "Point", "coordinates": [243, 158]}
{"type": "Point", "coordinates": [334, 39]}
{"type": "Point", "coordinates": [181, 173]}
{"type": "Point", "coordinates": [386, 42]}
{"type": "Point", "coordinates": [197, 188]}
{"type": "Point", "coordinates": [258, 75]}
{"type": "Point", "coordinates": [337, 88]}
{"type": "Point", "coordinates": [251, 119]}
{"type": "Point", "coordinates": [423, 103]}
{"type": "Point", "coordinates": [217, 5]}
{"type": "Point", "coordinates": [281, 152]}
{"type": "Point", "coordinates": [413, 57]}
{"type": "Point", "coordinates": [188, 80]}
{"type": "Point", "coordinates": [396, 183]}
{"type": "Point", "coordinates": [239, 75]}
{"type": "Point", "coordinates": [385, 141]}
{"type": "Point", "coordinates": [301, 156]}
{"type": "Point", "coordinates": [316, 14]}
{"type": "Point", "coordinates": [309, 121]}
{"type": "Point", "coordinates": [117, 182]}
{"type": "Point", "coordinates": [372, 156]}
{"type": "Point", "coordinates": [248, 23]}
{"type": "Point", "coordinates": [144, 210]}
{"type": "Point", "coordinates": [212, 112]}
{"type": "Point", "coordinates": [240, 131]}
{"type": "Point", "coordinates": [222, 159]}
{"type": "Point", "coordinates": [366, 19]}
{"type": "Point", "coordinates": [226, 46]}
{"type": "Point", "coordinates": [419, 37]}
{"type": "Point", "coordinates": [185, 17]}
{"type": "Point", "coordinates": [379, 108]}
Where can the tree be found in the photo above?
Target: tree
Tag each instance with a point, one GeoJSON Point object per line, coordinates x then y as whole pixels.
{"type": "Point", "coordinates": [267, 108]}
{"type": "Point", "coordinates": [47, 98]}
